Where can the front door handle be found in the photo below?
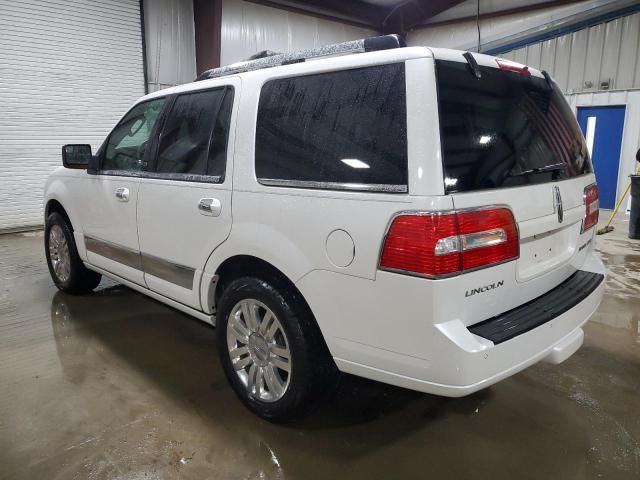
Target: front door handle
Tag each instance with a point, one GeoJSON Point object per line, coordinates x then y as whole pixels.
{"type": "Point", "coordinates": [122, 194]}
{"type": "Point", "coordinates": [210, 207]}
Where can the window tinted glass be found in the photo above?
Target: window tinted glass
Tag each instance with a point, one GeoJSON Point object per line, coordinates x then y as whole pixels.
{"type": "Point", "coordinates": [128, 141]}
{"type": "Point", "coordinates": [505, 129]}
{"type": "Point", "coordinates": [346, 127]}
{"type": "Point", "coordinates": [218, 147]}
{"type": "Point", "coordinates": [194, 136]}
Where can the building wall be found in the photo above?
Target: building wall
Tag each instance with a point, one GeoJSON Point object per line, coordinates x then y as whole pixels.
{"type": "Point", "coordinates": [68, 71]}
{"type": "Point", "coordinates": [169, 42]}
{"type": "Point", "coordinates": [631, 132]}
{"type": "Point", "coordinates": [581, 60]}
{"type": "Point", "coordinates": [463, 35]}
{"type": "Point", "coordinates": [248, 28]}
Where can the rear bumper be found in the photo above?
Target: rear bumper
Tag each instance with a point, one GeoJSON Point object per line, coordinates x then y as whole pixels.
{"type": "Point", "coordinates": [457, 362]}
{"type": "Point", "coordinates": [539, 311]}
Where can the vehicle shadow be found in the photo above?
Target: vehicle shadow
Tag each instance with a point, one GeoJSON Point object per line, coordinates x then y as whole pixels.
{"type": "Point", "coordinates": [177, 354]}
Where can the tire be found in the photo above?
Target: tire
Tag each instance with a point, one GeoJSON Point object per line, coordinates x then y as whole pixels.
{"type": "Point", "coordinates": [260, 354]}
{"type": "Point", "coordinates": [65, 266]}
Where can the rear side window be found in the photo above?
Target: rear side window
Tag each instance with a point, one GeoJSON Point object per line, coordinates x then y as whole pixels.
{"type": "Point", "coordinates": [194, 136]}
{"type": "Point", "coordinates": [505, 129]}
{"type": "Point", "coordinates": [337, 130]}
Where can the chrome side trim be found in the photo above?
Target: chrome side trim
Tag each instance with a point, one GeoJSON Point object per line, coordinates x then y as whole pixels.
{"type": "Point", "coordinates": [362, 187]}
{"type": "Point", "coordinates": [168, 271]}
{"type": "Point", "coordinates": [179, 177]}
{"type": "Point", "coordinates": [158, 267]}
{"type": "Point", "coordinates": [117, 253]}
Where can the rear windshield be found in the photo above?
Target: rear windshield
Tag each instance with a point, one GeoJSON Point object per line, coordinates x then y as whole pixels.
{"type": "Point", "coordinates": [505, 129]}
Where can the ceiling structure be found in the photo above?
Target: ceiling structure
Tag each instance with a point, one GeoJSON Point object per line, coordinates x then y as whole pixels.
{"type": "Point", "coordinates": [399, 16]}
{"type": "Point", "coordinates": [385, 16]}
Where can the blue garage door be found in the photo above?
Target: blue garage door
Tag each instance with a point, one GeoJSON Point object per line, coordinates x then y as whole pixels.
{"type": "Point", "coordinates": [602, 127]}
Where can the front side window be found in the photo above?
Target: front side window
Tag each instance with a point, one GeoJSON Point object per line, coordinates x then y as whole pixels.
{"type": "Point", "coordinates": [334, 130]}
{"type": "Point", "coordinates": [129, 140]}
{"type": "Point", "coordinates": [194, 136]}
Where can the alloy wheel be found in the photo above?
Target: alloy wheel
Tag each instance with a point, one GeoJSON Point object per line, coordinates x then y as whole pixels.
{"type": "Point", "coordinates": [259, 350]}
{"type": "Point", "coordinates": [59, 253]}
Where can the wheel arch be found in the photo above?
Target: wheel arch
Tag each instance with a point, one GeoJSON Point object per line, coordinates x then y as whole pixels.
{"type": "Point", "coordinates": [59, 196]}
{"type": "Point", "coordinates": [54, 205]}
{"type": "Point", "coordinates": [54, 202]}
{"type": "Point", "coordinates": [238, 266]}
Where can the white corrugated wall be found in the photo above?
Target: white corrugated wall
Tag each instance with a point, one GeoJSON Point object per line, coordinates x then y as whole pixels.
{"type": "Point", "coordinates": [248, 28]}
{"type": "Point", "coordinates": [581, 60]}
{"type": "Point", "coordinates": [463, 35]}
{"type": "Point", "coordinates": [68, 70]}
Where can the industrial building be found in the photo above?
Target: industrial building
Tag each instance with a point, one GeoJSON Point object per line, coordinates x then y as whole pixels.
{"type": "Point", "coordinates": [115, 385]}
{"type": "Point", "coordinates": [104, 55]}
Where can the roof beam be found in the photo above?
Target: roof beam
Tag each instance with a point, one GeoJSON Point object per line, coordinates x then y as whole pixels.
{"type": "Point", "coordinates": [407, 15]}
{"type": "Point", "coordinates": [353, 12]}
{"type": "Point", "coordinates": [398, 19]}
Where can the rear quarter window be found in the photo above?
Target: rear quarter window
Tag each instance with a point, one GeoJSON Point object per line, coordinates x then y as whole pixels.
{"type": "Point", "coordinates": [336, 130]}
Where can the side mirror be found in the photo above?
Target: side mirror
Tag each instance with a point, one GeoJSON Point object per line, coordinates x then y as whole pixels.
{"type": "Point", "coordinates": [638, 155]}
{"type": "Point", "coordinates": [76, 156]}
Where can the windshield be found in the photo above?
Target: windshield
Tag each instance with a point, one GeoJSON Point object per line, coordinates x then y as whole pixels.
{"type": "Point", "coordinates": [505, 129]}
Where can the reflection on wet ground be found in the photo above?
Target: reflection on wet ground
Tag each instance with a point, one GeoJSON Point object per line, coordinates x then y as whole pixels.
{"type": "Point", "coordinates": [115, 385]}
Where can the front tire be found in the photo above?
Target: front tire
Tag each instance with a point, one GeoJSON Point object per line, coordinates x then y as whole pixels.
{"type": "Point", "coordinates": [65, 265]}
{"type": "Point", "coordinates": [271, 349]}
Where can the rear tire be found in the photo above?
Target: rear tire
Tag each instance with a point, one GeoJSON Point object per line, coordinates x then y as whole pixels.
{"type": "Point", "coordinates": [65, 265]}
{"type": "Point", "coordinates": [271, 349]}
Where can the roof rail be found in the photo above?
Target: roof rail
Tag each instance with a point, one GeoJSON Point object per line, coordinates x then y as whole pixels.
{"type": "Point", "coordinates": [385, 42]}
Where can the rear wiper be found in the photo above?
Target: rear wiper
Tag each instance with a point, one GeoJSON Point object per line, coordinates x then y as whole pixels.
{"type": "Point", "coordinates": [473, 65]}
{"type": "Point", "coordinates": [549, 168]}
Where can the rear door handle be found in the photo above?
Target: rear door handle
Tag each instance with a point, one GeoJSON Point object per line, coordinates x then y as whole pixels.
{"type": "Point", "coordinates": [210, 207]}
{"type": "Point", "coordinates": [122, 194]}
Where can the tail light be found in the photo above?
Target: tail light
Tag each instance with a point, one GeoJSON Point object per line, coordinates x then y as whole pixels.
{"type": "Point", "coordinates": [592, 206]}
{"type": "Point", "coordinates": [442, 244]}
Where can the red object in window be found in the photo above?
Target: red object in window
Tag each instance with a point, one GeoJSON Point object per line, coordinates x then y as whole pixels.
{"type": "Point", "coordinates": [436, 245]}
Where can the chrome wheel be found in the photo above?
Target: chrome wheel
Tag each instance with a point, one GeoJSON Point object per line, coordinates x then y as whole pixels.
{"type": "Point", "coordinates": [59, 253]}
{"type": "Point", "coordinates": [259, 350]}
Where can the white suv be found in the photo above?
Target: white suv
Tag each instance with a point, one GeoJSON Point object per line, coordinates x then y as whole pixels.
{"type": "Point", "coordinates": [422, 217]}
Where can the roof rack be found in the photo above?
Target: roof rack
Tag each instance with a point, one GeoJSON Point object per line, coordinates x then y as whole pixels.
{"type": "Point", "coordinates": [385, 42]}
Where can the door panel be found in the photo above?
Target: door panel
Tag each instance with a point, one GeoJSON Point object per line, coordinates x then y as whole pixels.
{"type": "Point", "coordinates": [184, 203]}
{"type": "Point", "coordinates": [110, 229]}
{"type": "Point", "coordinates": [109, 214]}
{"type": "Point", "coordinates": [176, 236]}
{"type": "Point", "coordinates": [602, 128]}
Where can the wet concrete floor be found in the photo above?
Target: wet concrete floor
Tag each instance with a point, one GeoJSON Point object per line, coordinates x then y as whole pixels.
{"type": "Point", "coordinates": [117, 386]}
